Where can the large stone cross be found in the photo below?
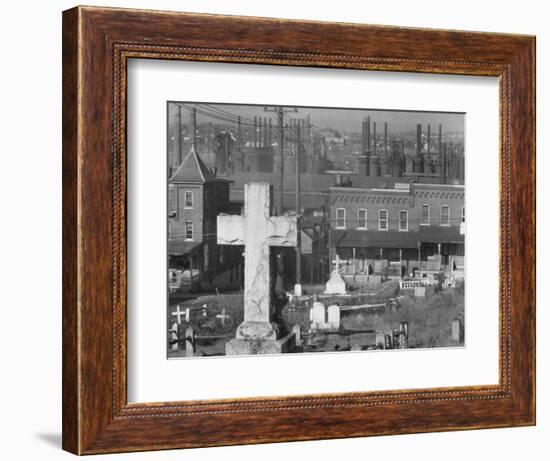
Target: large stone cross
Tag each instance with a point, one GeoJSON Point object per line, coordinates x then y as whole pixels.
{"type": "Point", "coordinates": [257, 230]}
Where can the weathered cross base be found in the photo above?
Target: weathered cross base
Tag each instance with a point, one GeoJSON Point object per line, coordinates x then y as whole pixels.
{"type": "Point", "coordinates": [253, 347]}
{"type": "Point", "coordinates": [250, 330]}
{"type": "Point", "coordinates": [259, 345]}
{"type": "Point", "coordinates": [253, 338]}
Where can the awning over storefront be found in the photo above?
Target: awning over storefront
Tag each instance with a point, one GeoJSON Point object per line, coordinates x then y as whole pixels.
{"type": "Point", "coordinates": [395, 239]}
{"type": "Point", "coordinates": [181, 247]}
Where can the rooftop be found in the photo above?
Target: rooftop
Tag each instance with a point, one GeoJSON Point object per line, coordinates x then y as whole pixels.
{"type": "Point", "coordinates": [193, 170]}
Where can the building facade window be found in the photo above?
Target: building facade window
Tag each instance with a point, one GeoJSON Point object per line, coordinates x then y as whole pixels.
{"type": "Point", "coordinates": [188, 230]}
{"type": "Point", "coordinates": [463, 214]}
{"type": "Point", "coordinates": [383, 220]}
{"type": "Point", "coordinates": [445, 215]}
{"type": "Point", "coordinates": [425, 215]}
{"type": "Point", "coordinates": [340, 218]}
{"type": "Point", "coordinates": [403, 220]}
{"type": "Point", "coordinates": [362, 219]}
{"type": "Point", "coordinates": [188, 199]}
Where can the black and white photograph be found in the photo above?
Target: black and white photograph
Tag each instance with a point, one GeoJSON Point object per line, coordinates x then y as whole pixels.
{"type": "Point", "coordinates": [312, 229]}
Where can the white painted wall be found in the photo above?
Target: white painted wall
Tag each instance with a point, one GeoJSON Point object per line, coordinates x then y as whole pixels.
{"type": "Point", "coordinates": [30, 182]}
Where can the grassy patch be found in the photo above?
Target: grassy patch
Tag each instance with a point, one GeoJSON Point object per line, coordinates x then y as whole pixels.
{"type": "Point", "coordinates": [429, 318]}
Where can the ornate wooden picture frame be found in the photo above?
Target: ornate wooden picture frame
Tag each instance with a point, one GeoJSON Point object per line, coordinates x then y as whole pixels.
{"type": "Point", "coordinates": [97, 44]}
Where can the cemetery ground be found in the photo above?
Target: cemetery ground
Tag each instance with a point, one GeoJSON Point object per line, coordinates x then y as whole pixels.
{"type": "Point", "coordinates": [216, 316]}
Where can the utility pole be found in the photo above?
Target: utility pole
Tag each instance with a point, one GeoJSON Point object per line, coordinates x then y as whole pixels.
{"type": "Point", "coordinates": [255, 131]}
{"type": "Point", "coordinates": [298, 210]}
{"type": "Point", "coordinates": [281, 112]}
{"type": "Point", "coordinates": [228, 165]}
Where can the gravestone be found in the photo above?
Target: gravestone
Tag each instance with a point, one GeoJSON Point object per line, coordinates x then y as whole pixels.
{"type": "Point", "coordinates": [388, 336]}
{"type": "Point", "coordinates": [174, 345]}
{"type": "Point", "coordinates": [317, 315]}
{"type": "Point", "coordinates": [334, 316]}
{"type": "Point", "coordinates": [223, 316]}
{"type": "Point", "coordinates": [336, 284]}
{"type": "Point", "coordinates": [380, 339]}
{"type": "Point", "coordinates": [190, 342]}
{"type": "Point", "coordinates": [403, 341]}
{"type": "Point", "coordinates": [178, 313]}
{"type": "Point", "coordinates": [297, 334]}
{"type": "Point", "coordinates": [257, 230]}
{"type": "Point", "coordinates": [457, 330]}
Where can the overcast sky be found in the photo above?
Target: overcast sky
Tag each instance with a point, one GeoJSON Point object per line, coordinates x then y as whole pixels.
{"type": "Point", "coordinates": [343, 119]}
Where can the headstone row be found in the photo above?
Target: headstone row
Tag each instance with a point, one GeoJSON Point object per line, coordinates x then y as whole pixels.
{"type": "Point", "coordinates": [322, 318]}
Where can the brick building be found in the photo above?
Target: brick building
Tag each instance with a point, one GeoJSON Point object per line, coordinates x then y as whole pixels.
{"type": "Point", "coordinates": [195, 198]}
{"type": "Point", "coordinates": [407, 229]}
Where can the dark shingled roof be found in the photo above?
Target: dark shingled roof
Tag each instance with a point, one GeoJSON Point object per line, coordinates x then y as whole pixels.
{"type": "Point", "coordinates": [181, 247]}
{"type": "Point", "coordinates": [396, 239]}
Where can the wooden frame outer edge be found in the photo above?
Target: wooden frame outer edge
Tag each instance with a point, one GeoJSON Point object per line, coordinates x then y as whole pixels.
{"type": "Point", "coordinates": [77, 437]}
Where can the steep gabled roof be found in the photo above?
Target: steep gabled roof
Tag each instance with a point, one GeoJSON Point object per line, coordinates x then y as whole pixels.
{"type": "Point", "coordinates": [192, 170]}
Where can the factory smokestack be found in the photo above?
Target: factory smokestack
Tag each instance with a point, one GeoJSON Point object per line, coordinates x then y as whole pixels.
{"type": "Point", "coordinates": [418, 140]}
{"type": "Point", "coordinates": [374, 138]}
{"type": "Point", "coordinates": [386, 139]}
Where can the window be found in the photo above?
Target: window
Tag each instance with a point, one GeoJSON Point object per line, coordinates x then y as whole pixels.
{"type": "Point", "coordinates": [340, 217]}
{"type": "Point", "coordinates": [425, 215]}
{"type": "Point", "coordinates": [383, 220]}
{"type": "Point", "coordinates": [403, 220]}
{"type": "Point", "coordinates": [445, 218]}
{"type": "Point", "coordinates": [463, 214]}
{"type": "Point", "coordinates": [188, 200]}
{"type": "Point", "coordinates": [362, 219]}
{"type": "Point", "coordinates": [188, 230]}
